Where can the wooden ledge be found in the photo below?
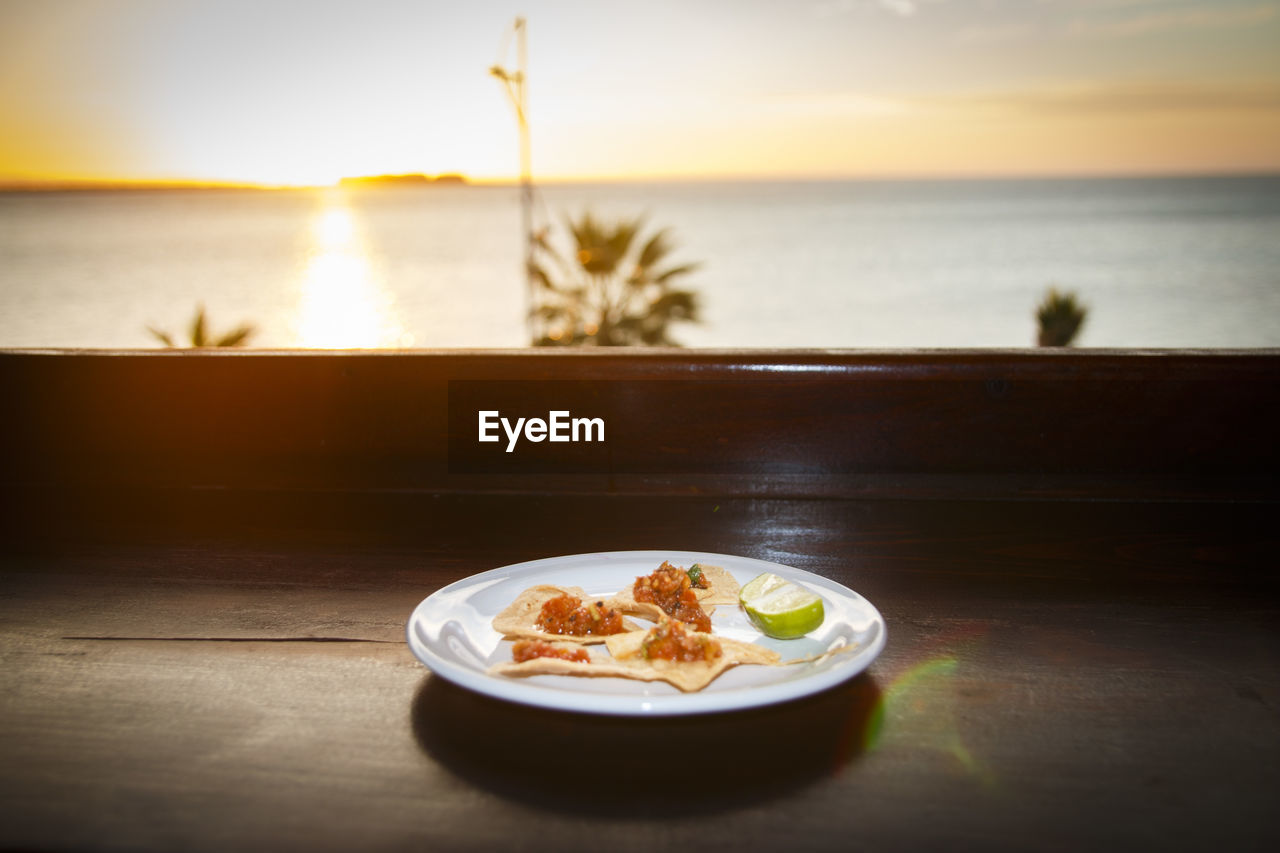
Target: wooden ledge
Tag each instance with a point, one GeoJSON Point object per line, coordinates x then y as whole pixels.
{"type": "Point", "coordinates": [795, 423]}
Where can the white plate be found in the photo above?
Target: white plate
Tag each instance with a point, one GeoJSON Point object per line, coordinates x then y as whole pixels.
{"type": "Point", "coordinates": [451, 632]}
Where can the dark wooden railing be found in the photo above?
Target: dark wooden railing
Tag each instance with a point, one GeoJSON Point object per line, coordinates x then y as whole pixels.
{"type": "Point", "coordinates": [836, 424]}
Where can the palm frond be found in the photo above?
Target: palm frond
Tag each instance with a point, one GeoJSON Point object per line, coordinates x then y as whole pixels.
{"type": "Point", "coordinates": [1059, 318]}
{"type": "Point", "coordinates": [554, 313]}
{"type": "Point", "coordinates": [676, 305]}
{"type": "Point", "coordinates": [163, 336]}
{"type": "Point", "coordinates": [236, 337]}
{"type": "Point", "coordinates": [609, 291]}
{"type": "Point", "coordinates": [657, 248]}
{"type": "Point", "coordinates": [683, 269]}
{"type": "Point", "coordinates": [201, 336]}
{"type": "Point", "coordinates": [198, 330]}
{"type": "Point", "coordinates": [540, 276]}
{"type": "Point", "coordinates": [542, 242]}
{"type": "Point", "coordinates": [586, 231]}
{"type": "Point", "coordinates": [619, 242]}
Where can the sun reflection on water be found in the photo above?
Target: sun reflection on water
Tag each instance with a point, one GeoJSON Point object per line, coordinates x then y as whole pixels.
{"type": "Point", "coordinates": [343, 303]}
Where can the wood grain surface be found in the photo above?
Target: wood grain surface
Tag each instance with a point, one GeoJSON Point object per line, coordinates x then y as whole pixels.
{"type": "Point", "coordinates": [1058, 675]}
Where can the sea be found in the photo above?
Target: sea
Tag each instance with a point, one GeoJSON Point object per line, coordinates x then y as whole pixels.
{"type": "Point", "coordinates": [1167, 262]}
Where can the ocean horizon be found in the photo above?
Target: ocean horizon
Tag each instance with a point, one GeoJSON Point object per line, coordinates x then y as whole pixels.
{"type": "Point", "coordinates": [1160, 262]}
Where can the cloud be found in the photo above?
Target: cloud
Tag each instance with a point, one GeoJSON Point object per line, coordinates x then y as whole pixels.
{"type": "Point", "coordinates": [995, 34]}
{"type": "Point", "coordinates": [1132, 97]}
{"type": "Point", "coordinates": [1165, 20]}
{"type": "Point", "coordinates": [898, 7]}
{"type": "Point", "coordinates": [829, 103]}
{"type": "Point", "coordinates": [1085, 98]}
{"type": "Point", "coordinates": [902, 8]}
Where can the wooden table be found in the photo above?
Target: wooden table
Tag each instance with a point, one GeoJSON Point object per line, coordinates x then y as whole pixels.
{"type": "Point", "coordinates": [1074, 659]}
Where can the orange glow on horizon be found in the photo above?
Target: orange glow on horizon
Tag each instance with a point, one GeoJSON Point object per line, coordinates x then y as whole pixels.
{"type": "Point", "coordinates": [147, 91]}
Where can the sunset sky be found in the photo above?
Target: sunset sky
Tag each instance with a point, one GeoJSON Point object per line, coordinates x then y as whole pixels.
{"type": "Point", "coordinates": [282, 92]}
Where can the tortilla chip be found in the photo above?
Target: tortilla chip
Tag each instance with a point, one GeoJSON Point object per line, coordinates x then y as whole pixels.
{"type": "Point", "coordinates": [689, 676]}
{"type": "Point", "coordinates": [600, 666]}
{"type": "Point", "coordinates": [626, 662]}
{"type": "Point", "coordinates": [627, 646]}
{"type": "Point", "coordinates": [519, 620]}
{"type": "Point", "coordinates": [555, 666]}
{"type": "Point", "coordinates": [722, 588]}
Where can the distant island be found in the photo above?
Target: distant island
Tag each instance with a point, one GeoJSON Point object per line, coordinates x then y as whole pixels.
{"type": "Point", "coordinates": [410, 180]}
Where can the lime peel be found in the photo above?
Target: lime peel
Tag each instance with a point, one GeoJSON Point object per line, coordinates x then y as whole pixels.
{"type": "Point", "coordinates": [780, 608]}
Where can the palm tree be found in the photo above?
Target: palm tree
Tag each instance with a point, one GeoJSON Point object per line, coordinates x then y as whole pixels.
{"type": "Point", "coordinates": [609, 295]}
{"type": "Point", "coordinates": [1059, 317]}
{"type": "Point", "coordinates": [201, 337]}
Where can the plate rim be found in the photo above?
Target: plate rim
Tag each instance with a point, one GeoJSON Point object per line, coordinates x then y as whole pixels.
{"type": "Point", "coordinates": [630, 705]}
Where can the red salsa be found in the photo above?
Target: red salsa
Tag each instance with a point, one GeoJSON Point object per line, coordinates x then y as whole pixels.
{"type": "Point", "coordinates": [523, 650]}
{"type": "Point", "coordinates": [670, 641]}
{"type": "Point", "coordinates": [566, 614]}
{"type": "Point", "coordinates": [672, 590]}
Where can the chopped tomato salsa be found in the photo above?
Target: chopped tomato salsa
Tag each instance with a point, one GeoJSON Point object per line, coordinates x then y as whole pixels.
{"type": "Point", "coordinates": [672, 590]}
{"type": "Point", "coordinates": [566, 614]}
{"type": "Point", "coordinates": [670, 641]}
{"type": "Point", "coordinates": [523, 650]}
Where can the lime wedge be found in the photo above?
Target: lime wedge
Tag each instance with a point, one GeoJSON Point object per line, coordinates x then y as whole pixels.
{"type": "Point", "coordinates": [779, 608]}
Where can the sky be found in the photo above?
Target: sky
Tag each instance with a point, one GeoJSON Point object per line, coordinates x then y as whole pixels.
{"type": "Point", "coordinates": [284, 92]}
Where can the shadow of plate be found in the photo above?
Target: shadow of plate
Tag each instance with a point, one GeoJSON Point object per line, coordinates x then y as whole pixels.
{"type": "Point", "coordinates": [627, 766]}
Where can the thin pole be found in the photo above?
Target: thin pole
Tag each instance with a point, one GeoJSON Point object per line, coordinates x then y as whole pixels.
{"type": "Point", "coordinates": [516, 85]}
